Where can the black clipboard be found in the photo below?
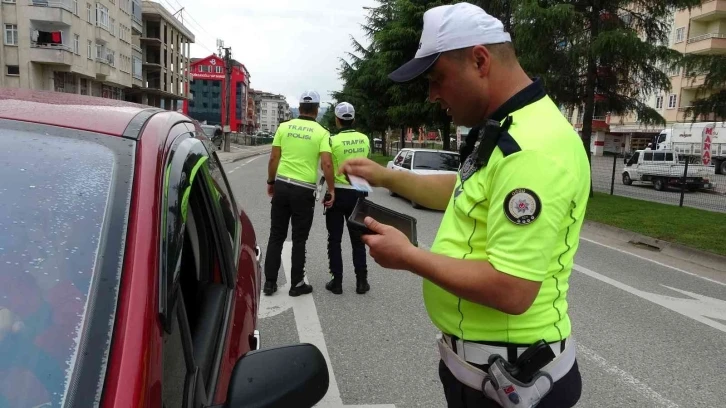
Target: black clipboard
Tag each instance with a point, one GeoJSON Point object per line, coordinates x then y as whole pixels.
{"type": "Point", "coordinates": [365, 208]}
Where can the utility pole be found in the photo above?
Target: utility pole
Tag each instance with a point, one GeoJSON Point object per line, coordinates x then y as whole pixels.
{"type": "Point", "coordinates": [227, 95]}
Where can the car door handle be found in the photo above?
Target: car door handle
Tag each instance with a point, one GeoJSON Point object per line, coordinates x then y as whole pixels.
{"type": "Point", "coordinates": [258, 253]}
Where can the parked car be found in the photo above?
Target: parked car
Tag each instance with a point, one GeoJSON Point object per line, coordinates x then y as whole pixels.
{"type": "Point", "coordinates": [130, 275]}
{"type": "Point", "coordinates": [424, 161]}
{"type": "Point", "coordinates": [663, 170]}
{"type": "Point", "coordinates": [214, 133]}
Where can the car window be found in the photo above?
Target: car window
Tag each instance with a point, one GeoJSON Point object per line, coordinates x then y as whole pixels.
{"type": "Point", "coordinates": [436, 161]}
{"type": "Point", "coordinates": [648, 156]}
{"type": "Point", "coordinates": [406, 164]}
{"type": "Point", "coordinates": [63, 204]}
{"type": "Point", "coordinates": [399, 158]}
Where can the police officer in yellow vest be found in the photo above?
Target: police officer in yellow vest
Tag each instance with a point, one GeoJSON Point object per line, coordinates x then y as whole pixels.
{"type": "Point", "coordinates": [497, 275]}
{"type": "Point", "coordinates": [298, 146]}
{"type": "Point", "coordinates": [347, 144]}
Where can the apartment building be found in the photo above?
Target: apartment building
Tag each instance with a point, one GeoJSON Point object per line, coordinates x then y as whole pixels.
{"type": "Point", "coordinates": [72, 46]}
{"type": "Point", "coordinates": [207, 102]}
{"type": "Point", "coordinates": [701, 30]}
{"type": "Point", "coordinates": [271, 110]}
{"type": "Point", "coordinates": [161, 59]}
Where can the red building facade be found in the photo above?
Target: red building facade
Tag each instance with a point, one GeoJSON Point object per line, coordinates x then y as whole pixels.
{"type": "Point", "coordinates": [207, 89]}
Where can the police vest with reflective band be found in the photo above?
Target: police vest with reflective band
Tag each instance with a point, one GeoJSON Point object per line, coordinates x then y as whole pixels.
{"type": "Point", "coordinates": [348, 144]}
{"type": "Point", "coordinates": [301, 141]}
{"type": "Point", "coordinates": [522, 211]}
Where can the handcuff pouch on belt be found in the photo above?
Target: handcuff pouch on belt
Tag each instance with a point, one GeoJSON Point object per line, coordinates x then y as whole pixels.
{"type": "Point", "coordinates": [521, 384]}
{"type": "Point", "coordinates": [476, 155]}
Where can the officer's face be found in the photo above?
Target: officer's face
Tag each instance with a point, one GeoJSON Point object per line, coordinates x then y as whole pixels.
{"type": "Point", "coordinates": [459, 83]}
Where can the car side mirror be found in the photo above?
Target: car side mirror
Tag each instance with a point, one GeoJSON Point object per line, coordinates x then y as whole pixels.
{"type": "Point", "coordinates": [288, 376]}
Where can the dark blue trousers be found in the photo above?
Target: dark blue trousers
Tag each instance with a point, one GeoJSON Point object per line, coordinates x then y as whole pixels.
{"type": "Point", "coordinates": [335, 220]}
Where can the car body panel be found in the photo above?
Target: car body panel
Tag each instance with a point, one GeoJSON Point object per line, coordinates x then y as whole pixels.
{"type": "Point", "coordinates": [133, 372]}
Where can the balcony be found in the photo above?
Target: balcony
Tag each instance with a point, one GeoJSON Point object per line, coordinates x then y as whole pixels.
{"type": "Point", "coordinates": [598, 122]}
{"type": "Point", "coordinates": [102, 34]}
{"type": "Point", "coordinates": [57, 11]}
{"type": "Point", "coordinates": [693, 81]}
{"type": "Point", "coordinates": [709, 43]}
{"type": "Point", "coordinates": [52, 55]}
{"type": "Point", "coordinates": [710, 10]}
{"type": "Point", "coordinates": [135, 48]}
{"type": "Point", "coordinates": [103, 67]}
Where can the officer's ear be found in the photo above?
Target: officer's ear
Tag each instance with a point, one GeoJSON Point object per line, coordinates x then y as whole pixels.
{"type": "Point", "coordinates": [482, 57]}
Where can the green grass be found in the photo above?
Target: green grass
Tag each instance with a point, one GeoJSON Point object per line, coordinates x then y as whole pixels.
{"type": "Point", "coordinates": [381, 159]}
{"type": "Point", "coordinates": [699, 229]}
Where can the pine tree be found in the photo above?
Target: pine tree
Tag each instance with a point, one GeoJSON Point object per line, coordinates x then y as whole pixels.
{"type": "Point", "coordinates": [606, 55]}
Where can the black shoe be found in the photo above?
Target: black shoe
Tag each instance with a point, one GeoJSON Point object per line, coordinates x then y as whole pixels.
{"type": "Point", "coordinates": [362, 286]}
{"type": "Point", "coordinates": [270, 288]}
{"type": "Point", "coordinates": [335, 286]}
{"type": "Point", "coordinates": [303, 289]}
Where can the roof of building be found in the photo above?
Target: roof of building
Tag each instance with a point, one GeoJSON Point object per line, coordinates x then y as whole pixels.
{"type": "Point", "coordinates": [151, 8]}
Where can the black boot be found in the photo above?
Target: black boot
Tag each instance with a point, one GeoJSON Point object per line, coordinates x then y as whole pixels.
{"type": "Point", "coordinates": [361, 284]}
{"type": "Point", "coordinates": [335, 285]}
{"type": "Point", "coordinates": [270, 288]}
{"type": "Point", "coordinates": [303, 289]}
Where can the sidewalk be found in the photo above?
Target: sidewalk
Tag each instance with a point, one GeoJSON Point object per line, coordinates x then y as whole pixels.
{"type": "Point", "coordinates": [239, 152]}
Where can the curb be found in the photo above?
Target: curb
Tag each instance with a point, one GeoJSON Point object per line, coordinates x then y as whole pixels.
{"type": "Point", "coordinates": [682, 252]}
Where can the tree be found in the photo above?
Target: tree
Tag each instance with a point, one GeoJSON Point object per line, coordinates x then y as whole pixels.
{"type": "Point", "coordinates": [604, 56]}
{"type": "Point", "coordinates": [328, 119]}
{"type": "Point", "coordinates": [710, 98]}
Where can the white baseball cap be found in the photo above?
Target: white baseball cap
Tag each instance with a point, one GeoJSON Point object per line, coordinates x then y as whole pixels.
{"type": "Point", "coordinates": [309, 97]}
{"type": "Point", "coordinates": [344, 111]}
{"type": "Point", "coordinates": [447, 28]}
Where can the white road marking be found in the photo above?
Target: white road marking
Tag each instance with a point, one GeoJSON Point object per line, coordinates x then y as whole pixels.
{"type": "Point", "coordinates": [308, 327]}
{"type": "Point", "coordinates": [626, 378]}
{"type": "Point", "coordinates": [698, 307]}
{"type": "Point", "coordinates": [244, 164]}
{"type": "Point", "coordinates": [654, 261]}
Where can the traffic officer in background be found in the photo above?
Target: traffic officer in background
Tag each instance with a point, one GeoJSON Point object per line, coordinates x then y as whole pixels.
{"type": "Point", "coordinates": [298, 146]}
{"type": "Point", "coordinates": [347, 144]}
{"type": "Point", "coordinates": [497, 275]}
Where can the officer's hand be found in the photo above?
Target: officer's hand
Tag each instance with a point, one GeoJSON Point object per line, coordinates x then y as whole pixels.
{"type": "Point", "coordinates": [331, 199]}
{"type": "Point", "coordinates": [371, 171]}
{"type": "Point", "coordinates": [270, 190]}
{"type": "Point", "coordinates": [390, 247]}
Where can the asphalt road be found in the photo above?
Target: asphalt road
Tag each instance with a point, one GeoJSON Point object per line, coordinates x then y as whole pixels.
{"type": "Point", "coordinates": [642, 341]}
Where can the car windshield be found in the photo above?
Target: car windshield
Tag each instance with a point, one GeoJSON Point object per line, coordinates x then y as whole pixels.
{"type": "Point", "coordinates": [436, 161]}
{"type": "Point", "coordinates": [58, 200]}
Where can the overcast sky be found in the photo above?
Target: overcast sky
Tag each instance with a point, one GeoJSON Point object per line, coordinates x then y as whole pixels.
{"type": "Point", "coordinates": [287, 45]}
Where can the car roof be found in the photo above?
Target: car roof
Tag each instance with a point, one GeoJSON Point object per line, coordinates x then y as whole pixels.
{"type": "Point", "coordinates": [94, 114]}
{"type": "Point", "coordinates": [420, 149]}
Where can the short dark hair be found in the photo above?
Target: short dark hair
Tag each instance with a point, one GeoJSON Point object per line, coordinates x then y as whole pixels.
{"type": "Point", "coordinates": [308, 108]}
{"type": "Point", "coordinates": [346, 122]}
{"type": "Point", "coordinates": [504, 51]}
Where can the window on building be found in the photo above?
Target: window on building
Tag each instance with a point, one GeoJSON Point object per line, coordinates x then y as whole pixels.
{"type": "Point", "coordinates": [11, 34]}
{"type": "Point", "coordinates": [672, 99]}
{"type": "Point", "coordinates": [13, 70]}
{"type": "Point", "coordinates": [76, 44]}
{"type": "Point", "coordinates": [75, 7]}
{"type": "Point", "coordinates": [89, 13]}
{"type": "Point", "coordinates": [680, 34]}
{"type": "Point", "coordinates": [101, 15]}
{"type": "Point", "coordinates": [89, 50]}
{"type": "Point", "coordinates": [659, 102]}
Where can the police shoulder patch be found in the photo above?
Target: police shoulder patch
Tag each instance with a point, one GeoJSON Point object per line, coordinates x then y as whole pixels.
{"type": "Point", "coordinates": [522, 206]}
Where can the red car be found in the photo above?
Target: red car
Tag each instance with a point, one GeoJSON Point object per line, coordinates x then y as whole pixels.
{"type": "Point", "coordinates": [129, 276]}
